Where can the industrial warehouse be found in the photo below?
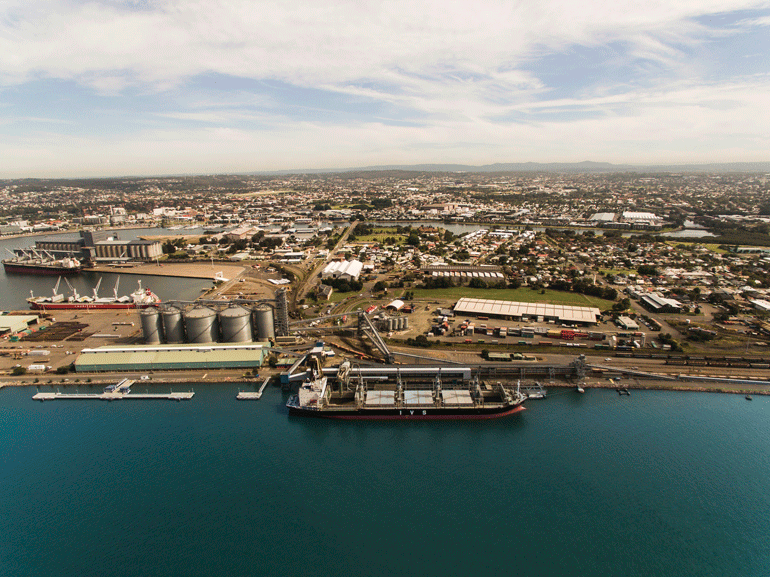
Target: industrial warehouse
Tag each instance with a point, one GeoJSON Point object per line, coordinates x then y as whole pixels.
{"type": "Point", "coordinates": [517, 311]}
{"type": "Point", "coordinates": [172, 357]}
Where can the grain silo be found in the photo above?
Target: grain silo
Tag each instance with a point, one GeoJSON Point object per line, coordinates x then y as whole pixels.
{"type": "Point", "coordinates": [172, 325]}
{"type": "Point", "coordinates": [152, 327]}
{"type": "Point", "coordinates": [235, 323]}
{"type": "Point", "coordinates": [201, 324]}
{"type": "Point", "coordinates": [264, 328]}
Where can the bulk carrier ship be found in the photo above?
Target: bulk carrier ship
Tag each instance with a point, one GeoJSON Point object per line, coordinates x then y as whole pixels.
{"type": "Point", "coordinates": [140, 298]}
{"type": "Point", "coordinates": [34, 262]}
{"type": "Point", "coordinates": [348, 397]}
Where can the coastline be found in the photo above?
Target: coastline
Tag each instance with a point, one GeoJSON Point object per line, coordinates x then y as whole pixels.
{"type": "Point", "coordinates": [673, 386]}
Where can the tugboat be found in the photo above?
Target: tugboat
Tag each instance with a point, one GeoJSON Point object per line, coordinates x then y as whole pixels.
{"type": "Point", "coordinates": [356, 399]}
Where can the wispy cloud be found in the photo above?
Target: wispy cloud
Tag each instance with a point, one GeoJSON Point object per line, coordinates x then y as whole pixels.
{"type": "Point", "coordinates": [383, 82]}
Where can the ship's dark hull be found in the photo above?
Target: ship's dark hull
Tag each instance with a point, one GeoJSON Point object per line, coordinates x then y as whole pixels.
{"type": "Point", "coordinates": [409, 414]}
{"type": "Point", "coordinates": [40, 269]}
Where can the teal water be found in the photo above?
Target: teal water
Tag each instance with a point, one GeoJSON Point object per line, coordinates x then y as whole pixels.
{"type": "Point", "coordinates": [653, 484]}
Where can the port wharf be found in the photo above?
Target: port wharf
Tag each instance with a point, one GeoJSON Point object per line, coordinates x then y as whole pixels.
{"type": "Point", "coordinates": [180, 270]}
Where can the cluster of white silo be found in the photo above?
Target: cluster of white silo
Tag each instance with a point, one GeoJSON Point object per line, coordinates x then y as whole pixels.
{"type": "Point", "coordinates": [202, 324]}
{"type": "Point", "coordinates": [391, 324]}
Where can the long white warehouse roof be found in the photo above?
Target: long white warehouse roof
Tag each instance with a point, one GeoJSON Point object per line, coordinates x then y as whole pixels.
{"type": "Point", "coordinates": [517, 309]}
{"type": "Point", "coordinates": [352, 268]}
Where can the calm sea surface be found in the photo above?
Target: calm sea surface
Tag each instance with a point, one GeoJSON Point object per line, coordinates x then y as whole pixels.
{"type": "Point", "coordinates": [652, 484]}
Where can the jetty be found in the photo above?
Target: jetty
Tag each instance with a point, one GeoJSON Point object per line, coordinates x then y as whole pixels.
{"type": "Point", "coordinates": [57, 396]}
{"type": "Point", "coordinates": [253, 396]}
{"type": "Point", "coordinates": [117, 392]}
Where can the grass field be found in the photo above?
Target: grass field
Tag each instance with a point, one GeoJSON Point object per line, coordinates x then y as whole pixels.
{"type": "Point", "coordinates": [380, 234]}
{"type": "Point", "coordinates": [524, 295]}
{"type": "Point", "coordinates": [712, 247]}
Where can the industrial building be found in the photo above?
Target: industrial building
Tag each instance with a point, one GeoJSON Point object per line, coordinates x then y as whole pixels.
{"type": "Point", "coordinates": [16, 323]}
{"type": "Point", "coordinates": [172, 357]}
{"type": "Point", "coordinates": [111, 250]}
{"type": "Point", "coordinates": [485, 272]}
{"type": "Point", "coordinates": [346, 270]}
{"type": "Point", "coordinates": [517, 311]}
{"type": "Point", "coordinates": [660, 304]}
{"type": "Point", "coordinates": [627, 323]}
{"type": "Point", "coordinates": [101, 245]}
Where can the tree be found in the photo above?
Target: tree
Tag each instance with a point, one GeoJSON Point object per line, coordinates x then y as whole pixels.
{"type": "Point", "coordinates": [622, 305]}
{"type": "Point", "coordinates": [379, 286]}
{"type": "Point", "coordinates": [647, 270]}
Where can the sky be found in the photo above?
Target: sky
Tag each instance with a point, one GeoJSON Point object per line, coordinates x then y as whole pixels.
{"type": "Point", "coordinates": [143, 87]}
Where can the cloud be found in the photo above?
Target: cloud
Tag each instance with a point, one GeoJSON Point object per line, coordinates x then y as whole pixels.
{"type": "Point", "coordinates": [307, 43]}
{"type": "Point", "coordinates": [365, 82]}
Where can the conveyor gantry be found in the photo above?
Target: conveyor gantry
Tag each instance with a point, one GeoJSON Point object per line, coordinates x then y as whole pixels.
{"type": "Point", "coordinates": [366, 327]}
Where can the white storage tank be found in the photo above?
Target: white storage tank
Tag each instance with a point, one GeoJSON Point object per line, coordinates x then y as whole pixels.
{"type": "Point", "coordinates": [264, 327]}
{"type": "Point", "coordinates": [172, 325]}
{"type": "Point", "coordinates": [406, 323]}
{"type": "Point", "coordinates": [152, 326]}
{"type": "Point", "coordinates": [201, 325]}
{"type": "Point", "coordinates": [235, 323]}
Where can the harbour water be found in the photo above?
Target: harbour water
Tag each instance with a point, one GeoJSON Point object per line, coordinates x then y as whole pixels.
{"type": "Point", "coordinates": [596, 484]}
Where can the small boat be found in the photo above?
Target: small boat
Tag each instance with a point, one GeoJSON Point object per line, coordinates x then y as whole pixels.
{"type": "Point", "coordinates": [748, 398]}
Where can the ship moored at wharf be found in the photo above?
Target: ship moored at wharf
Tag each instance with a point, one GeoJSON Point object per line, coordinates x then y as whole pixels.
{"type": "Point", "coordinates": [30, 261]}
{"type": "Point", "coordinates": [349, 396]}
{"type": "Point", "coordinates": [140, 298]}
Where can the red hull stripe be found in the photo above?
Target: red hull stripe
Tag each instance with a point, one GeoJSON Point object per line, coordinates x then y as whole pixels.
{"type": "Point", "coordinates": [415, 417]}
{"type": "Point", "coordinates": [85, 306]}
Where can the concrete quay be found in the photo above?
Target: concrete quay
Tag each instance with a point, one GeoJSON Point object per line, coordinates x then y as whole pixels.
{"type": "Point", "coordinates": [202, 270]}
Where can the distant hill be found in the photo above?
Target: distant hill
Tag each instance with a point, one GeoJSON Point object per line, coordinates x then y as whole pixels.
{"type": "Point", "coordinates": [567, 167]}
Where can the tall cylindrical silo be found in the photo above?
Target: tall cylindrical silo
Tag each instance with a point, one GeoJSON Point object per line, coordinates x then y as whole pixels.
{"type": "Point", "coordinates": [235, 323]}
{"type": "Point", "coordinates": [172, 325]}
{"type": "Point", "coordinates": [264, 327]}
{"type": "Point", "coordinates": [406, 323]}
{"type": "Point", "coordinates": [201, 325]}
{"type": "Point", "coordinates": [152, 326]}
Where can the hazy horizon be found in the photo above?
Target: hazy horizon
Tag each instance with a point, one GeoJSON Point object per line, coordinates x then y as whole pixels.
{"type": "Point", "coordinates": [133, 87]}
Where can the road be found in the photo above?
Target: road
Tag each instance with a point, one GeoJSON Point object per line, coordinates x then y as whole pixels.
{"type": "Point", "coordinates": [302, 286]}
